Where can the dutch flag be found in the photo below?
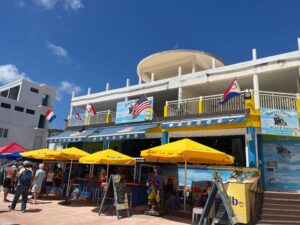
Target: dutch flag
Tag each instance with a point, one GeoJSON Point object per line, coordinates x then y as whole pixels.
{"type": "Point", "coordinates": [232, 91]}
{"type": "Point", "coordinates": [50, 116]}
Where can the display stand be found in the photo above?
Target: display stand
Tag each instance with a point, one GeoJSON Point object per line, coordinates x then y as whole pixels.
{"type": "Point", "coordinates": [115, 195]}
{"type": "Point", "coordinates": [222, 206]}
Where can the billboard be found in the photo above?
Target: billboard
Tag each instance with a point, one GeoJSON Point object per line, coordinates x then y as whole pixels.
{"type": "Point", "coordinates": [279, 122]}
{"type": "Point", "coordinates": [125, 109]}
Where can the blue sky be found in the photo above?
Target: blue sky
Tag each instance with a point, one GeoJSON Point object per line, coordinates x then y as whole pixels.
{"type": "Point", "coordinates": [86, 43]}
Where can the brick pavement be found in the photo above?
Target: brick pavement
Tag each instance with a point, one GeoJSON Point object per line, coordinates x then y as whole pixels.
{"type": "Point", "coordinates": [49, 212]}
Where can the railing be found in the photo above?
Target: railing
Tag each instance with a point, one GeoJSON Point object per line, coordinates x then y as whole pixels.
{"type": "Point", "coordinates": [210, 104]}
{"type": "Point", "coordinates": [183, 107]}
{"type": "Point", "coordinates": [277, 100]}
{"type": "Point", "coordinates": [99, 118]}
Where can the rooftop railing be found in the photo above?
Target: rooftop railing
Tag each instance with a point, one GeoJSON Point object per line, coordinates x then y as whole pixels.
{"type": "Point", "coordinates": [277, 100]}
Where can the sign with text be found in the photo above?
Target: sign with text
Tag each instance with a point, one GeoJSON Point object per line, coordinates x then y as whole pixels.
{"type": "Point", "coordinates": [279, 122]}
{"type": "Point", "coordinates": [130, 111]}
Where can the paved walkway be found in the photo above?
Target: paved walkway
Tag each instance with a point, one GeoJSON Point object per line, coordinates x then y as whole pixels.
{"type": "Point", "coordinates": [49, 212]}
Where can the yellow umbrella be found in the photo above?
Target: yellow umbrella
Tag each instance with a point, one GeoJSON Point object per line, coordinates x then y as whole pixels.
{"type": "Point", "coordinates": [186, 150]}
{"type": "Point", "coordinates": [42, 154]}
{"type": "Point", "coordinates": [107, 156]}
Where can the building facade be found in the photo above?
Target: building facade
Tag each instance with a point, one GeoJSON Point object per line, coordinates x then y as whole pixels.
{"type": "Point", "coordinates": [186, 86]}
{"type": "Point", "coordinates": [23, 105]}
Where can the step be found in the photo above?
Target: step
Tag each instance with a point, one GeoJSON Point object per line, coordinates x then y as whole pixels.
{"type": "Point", "coordinates": [280, 206]}
{"type": "Point", "coordinates": [271, 216]}
{"type": "Point", "coordinates": [271, 222]}
{"type": "Point", "coordinates": [283, 212]}
{"type": "Point", "coordinates": [281, 201]}
{"type": "Point", "coordinates": [282, 195]}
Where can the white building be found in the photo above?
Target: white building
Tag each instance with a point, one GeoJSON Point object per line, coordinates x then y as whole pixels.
{"type": "Point", "coordinates": [23, 105]}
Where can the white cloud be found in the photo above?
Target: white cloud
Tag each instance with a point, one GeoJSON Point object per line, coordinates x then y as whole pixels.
{"type": "Point", "coordinates": [73, 4]}
{"type": "Point", "coordinates": [47, 4]}
{"type": "Point", "coordinates": [58, 51]}
{"type": "Point", "coordinates": [10, 73]}
{"type": "Point", "coordinates": [66, 87]}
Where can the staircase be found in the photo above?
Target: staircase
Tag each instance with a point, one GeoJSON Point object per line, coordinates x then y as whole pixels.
{"type": "Point", "coordinates": [280, 208]}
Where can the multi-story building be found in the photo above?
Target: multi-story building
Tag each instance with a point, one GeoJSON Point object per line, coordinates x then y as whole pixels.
{"type": "Point", "coordinates": [23, 105]}
{"type": "Point", "coordinates": [186, 86]}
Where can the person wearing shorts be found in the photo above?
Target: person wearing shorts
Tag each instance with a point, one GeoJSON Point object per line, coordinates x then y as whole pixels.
{"type": "Point", "coordinates": [49, 180]}
{"type": "Point", "coordinates": [37, 182]}
{"type": "Point", "coordinates": [9, 176]}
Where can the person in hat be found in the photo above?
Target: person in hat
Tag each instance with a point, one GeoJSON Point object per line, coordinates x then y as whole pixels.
{"type": "Point", "coordinates": [23, 186]}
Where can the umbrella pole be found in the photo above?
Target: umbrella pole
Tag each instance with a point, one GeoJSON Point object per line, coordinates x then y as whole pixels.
{"type": "Point", "coordinates": [107, 170]}
{"type": "Point", "coordinates": [184, 193]}
{"type": "Point", "coordinates": [68, 187]}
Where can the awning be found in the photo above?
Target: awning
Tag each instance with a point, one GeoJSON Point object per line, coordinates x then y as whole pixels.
{"type": "Point", "coordinates": [103, 134]}
{"type": "Point", "coordinates": [205, 121]}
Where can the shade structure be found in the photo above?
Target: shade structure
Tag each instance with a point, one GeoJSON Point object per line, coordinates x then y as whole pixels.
{"type": "Point", "coordinates": [42, 154]}
{"type": "Point", "coordinates": [11, 156]}
{"type": "Point", "coordinates": [108, 157]}
{"type": "Point", "coordinates": [11, 148]}
{"type": "Point", "coordinates": [71, 153]}
{"type": "Point", "coordinates": [186, 150]}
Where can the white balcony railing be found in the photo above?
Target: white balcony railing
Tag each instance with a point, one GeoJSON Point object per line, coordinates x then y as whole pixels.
{"type": "Point", "coordinates": [183, 107]}
{"type": "Point", "coordinates": [210, 104]}
{"type": "Point", "coordinates": [277, 100]}
{"type": "Point", "coordinates": [99, 118]}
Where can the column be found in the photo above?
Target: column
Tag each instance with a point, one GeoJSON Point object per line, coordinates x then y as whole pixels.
{"type": "Point", "coordinates": [165, 138]}
{"type": "Point", "coordinates": [180, 93]}
{"type": "Point", "coordinates": [298, 43]}
{"type": "Point", "coordinates": [213, 63]}
{"type": "Point", "coordinates": [152, 76]}
{"type": "Point", "coordinates": [254, 55]}
{"type": "Point", "coordinates": [89, 91]}
{"type": "Point", "coordinates": [140, 79]}
{"type": "Point", "coordinates": [127, 82]}
{"type": "Point", "coordinates": [105, 144]}
{"type": "Point", "coordinates": [193, 64]}
{"type": "Point", "coordinates": [256, 91]}
{"type": "Point", "coordinates": [251, 147]}
{"type": "Point", "coordinates": [179, 71]}
{"type": "Point", "coordinates": [107, 87]}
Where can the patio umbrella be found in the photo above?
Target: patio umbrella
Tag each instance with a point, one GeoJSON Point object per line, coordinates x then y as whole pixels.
{"type": "Point", "coordinates": [108, 157]}
{"type": "Point", "coordinates": [186, 150]}
{"type": "Point", "coordinates": [42, 154]}
{"type": "Point", "coordinates": [11, 156]}
{"type": "Point", "coordinates": [71, 154]}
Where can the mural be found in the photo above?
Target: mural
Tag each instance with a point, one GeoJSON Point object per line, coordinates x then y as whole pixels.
{"type": "Point", "coordinates": [281, 165]}
{"type": "Point", "coordinates": [124, 112]}
{"type": "Point", "coordinates": [279, 122]}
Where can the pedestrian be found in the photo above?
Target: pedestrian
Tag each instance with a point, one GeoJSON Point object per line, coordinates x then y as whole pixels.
{"type": "Point", "coordinates": [49, 180]}
{"type": "Point", "coordinates": [37, 182]}
{"type": "Point", "coordinates": [8, 182]}
{"type": "Point", "coordinates": [23, 186]}
{"type": "Point", "coordinates": [58, 181]}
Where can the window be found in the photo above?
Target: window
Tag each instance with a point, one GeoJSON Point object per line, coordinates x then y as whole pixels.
{"type": "Point", "coordinates": [14, 92]}
{"type": "Point", "coordinates": [45, 100]}
{"type": "Point", "coordinates": [42, 121]}
{"type": "Point", "coordinates": [34, 90]}
{"type": "Point", "coordinates": [3, 133]}
{"type": "Point", "coordinates": [4, 93]}
{"type": "Point", "coordinates": [30, 111]}
{"type": "Point", "coordinates": [5, 105]}
{"type": "Point", "coordinates": [19, 109]}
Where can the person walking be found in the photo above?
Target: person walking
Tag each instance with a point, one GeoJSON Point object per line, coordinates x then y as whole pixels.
{"type": "Point", "coordinates": [37, 182]}
{"type": "Point", "coordinates": [8, 182]}
{"type": "Point", "coordinates": [25, 176]}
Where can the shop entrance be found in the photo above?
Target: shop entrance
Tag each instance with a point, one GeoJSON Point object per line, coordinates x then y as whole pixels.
{"type": "Point", "coordinates": [232, 145]}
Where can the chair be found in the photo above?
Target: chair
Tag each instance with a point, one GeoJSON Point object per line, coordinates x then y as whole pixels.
{"type": "Point", "coordinates": [196, 211]}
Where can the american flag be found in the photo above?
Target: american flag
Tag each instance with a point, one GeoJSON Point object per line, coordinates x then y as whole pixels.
{"type": "Point", "coordinates": [141, 104]}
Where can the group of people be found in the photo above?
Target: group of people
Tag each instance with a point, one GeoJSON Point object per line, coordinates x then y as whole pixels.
{"type": "Point", "coordinates": [25, 179]}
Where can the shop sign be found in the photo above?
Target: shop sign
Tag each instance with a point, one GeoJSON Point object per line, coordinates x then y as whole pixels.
{"type": "Point", "coordinates": [125, 109]}
{"type": "Point", "coordinates": [279, 122]}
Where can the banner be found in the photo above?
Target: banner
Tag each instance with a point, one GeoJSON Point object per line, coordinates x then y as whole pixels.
{"type": "Point", "coordinates": [124, 110]}
{"type": "Point", "coordinates": [279, 122]}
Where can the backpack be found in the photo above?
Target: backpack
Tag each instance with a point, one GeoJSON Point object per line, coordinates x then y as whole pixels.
{"type": "Point", "coordinates": [25, 178]}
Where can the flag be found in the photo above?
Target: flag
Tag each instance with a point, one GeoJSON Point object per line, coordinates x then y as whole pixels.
{"type": "Point", "coordinates": [77, 115]}
{"type": "Point", "coordinates": [232, 91]}
{"type": "Point", "coordinates": [50, 116]}
{"type": "Point", "coordinates": [141, 104]}
{"type": "Point", "coordinates": [91, 109]}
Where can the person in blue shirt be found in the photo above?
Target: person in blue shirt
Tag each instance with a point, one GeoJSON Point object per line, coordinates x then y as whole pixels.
{"type": "Point", "coordinates": [37, 182]}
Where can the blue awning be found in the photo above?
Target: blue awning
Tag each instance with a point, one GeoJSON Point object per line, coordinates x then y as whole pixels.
{"type": "Point", "coordinates": [205, 121]}
{"type": "Point", "coordinates": [103, 134]}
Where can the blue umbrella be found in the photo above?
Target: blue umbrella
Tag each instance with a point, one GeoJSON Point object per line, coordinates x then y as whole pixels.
{"type": "Point", "coordinates": [14, 155]}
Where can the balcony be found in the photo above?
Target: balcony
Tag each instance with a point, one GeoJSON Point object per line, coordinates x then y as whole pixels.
{"type": "Point", "coordinates": [209, 104]}
{"type": "Point", "coordinates": [102, 117]}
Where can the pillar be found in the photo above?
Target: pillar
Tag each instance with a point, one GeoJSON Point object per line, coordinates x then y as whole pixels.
{"type": "Point", "coordinates": [180, 93]}
{"type": "Point", "coordinates": [299, 43]}
{"type": "Point", "coordinates": [127, 82]}
{"type": "Point", "coordinates": [140, 79]}
{"type": "Point", "coordinates": [166, 111]}
{"type": "Point", "coordinates": [254, 55]}
{"type": "Point", "coordinates": [193, 64]}
{"type": "Point", "coordinates": [213, 63]}
{"type": "Point", "coordinates": [105, 144]}
{"type": "Point", "coordinates": [152, 76]}
{"type": "Point", "coordinates": [256, 91]}
{"type": "Point", "coordinates": [165, 138]}
{"type": "Point", "coordinates": [251, 147]}
{"type": "Point", "coordinates": [107, 87]}
{"type": "Point", "coordinates": [89, 91]}
{"type": "Point", "coordinates": [179, 71]}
